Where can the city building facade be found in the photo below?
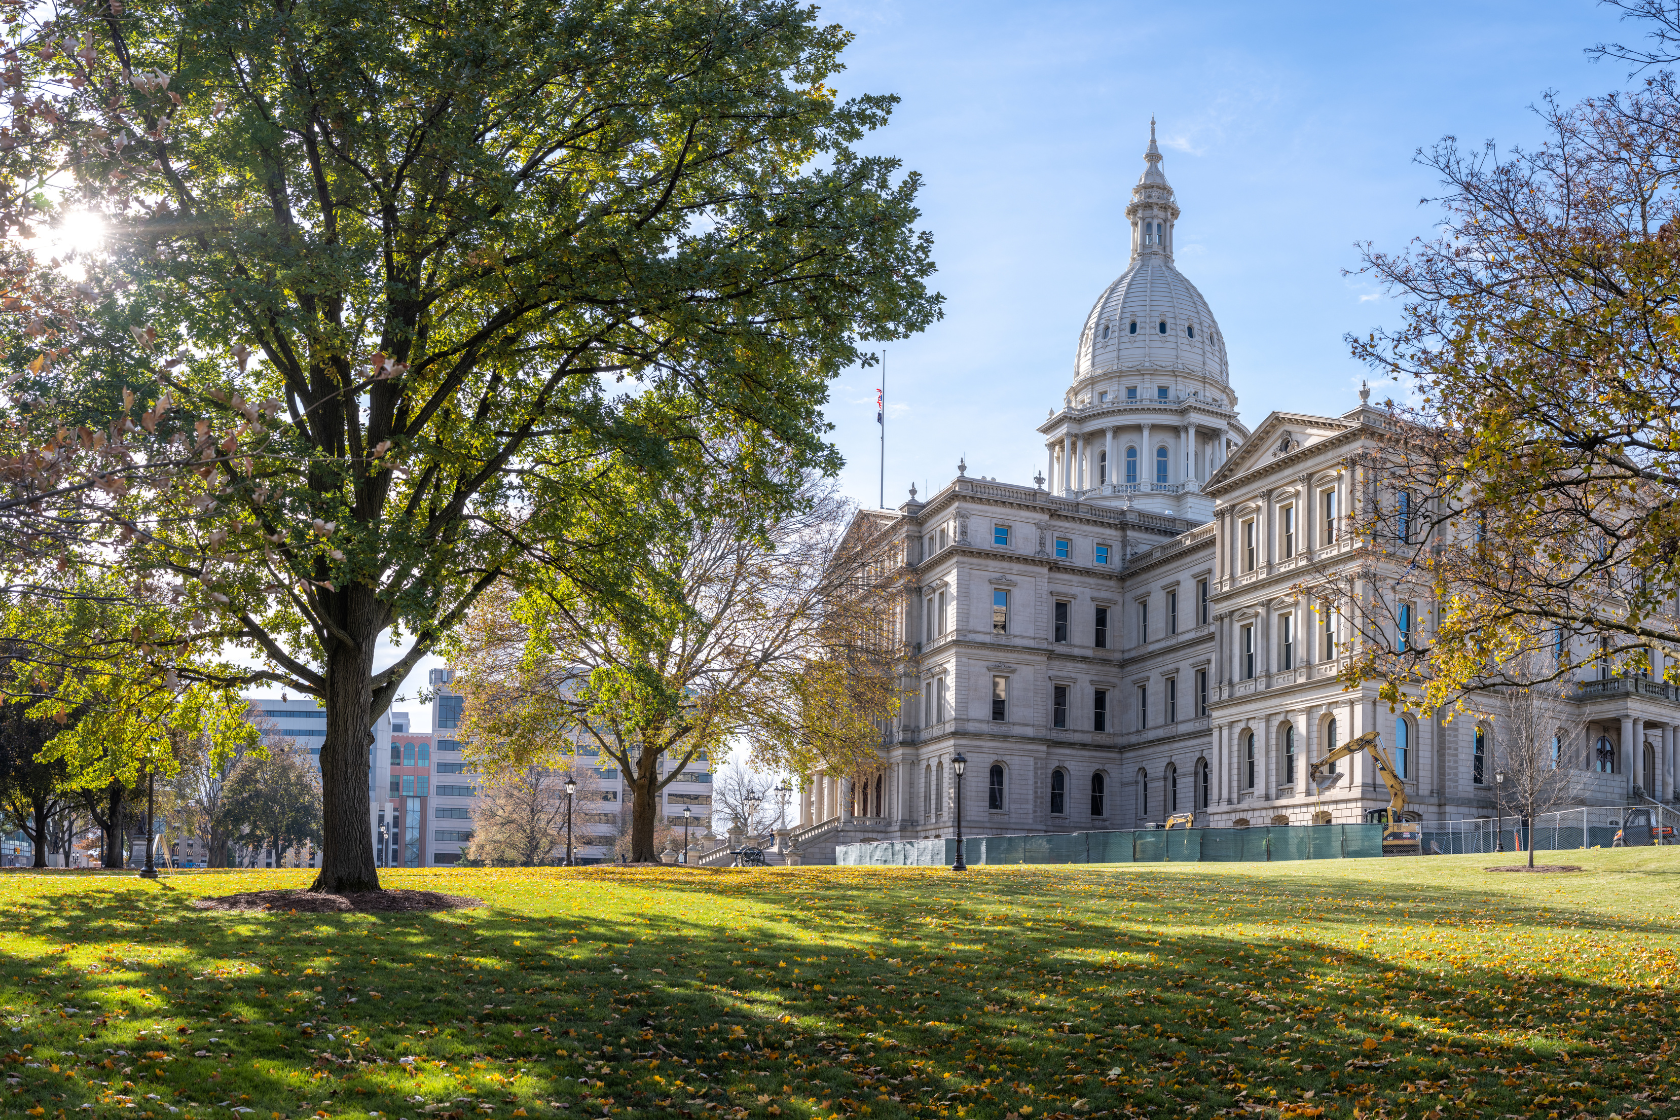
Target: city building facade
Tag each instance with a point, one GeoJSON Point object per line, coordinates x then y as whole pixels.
{"type": "Point", "coordinates": [1136, 634]}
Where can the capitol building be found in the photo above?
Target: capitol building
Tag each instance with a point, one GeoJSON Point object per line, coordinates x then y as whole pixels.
{"type": "Point", "coordinates": [1134, 636]}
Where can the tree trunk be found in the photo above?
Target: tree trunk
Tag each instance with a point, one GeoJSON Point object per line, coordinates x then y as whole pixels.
{"type": "Point", "coordinates": [112, 826]}
{"type": "Point", "coordinates": [347, 862]}
{"type": "Point", "coordinates": [38, 807]}
{"type": "Point", "coordinates": [644, 807]}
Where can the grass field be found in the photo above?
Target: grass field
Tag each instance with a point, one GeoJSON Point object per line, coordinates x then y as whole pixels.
{"type": "Point", "coordinates": [1405, 988]}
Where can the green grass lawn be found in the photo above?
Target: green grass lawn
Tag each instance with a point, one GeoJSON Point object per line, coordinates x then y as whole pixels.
{"type": "Point", "coordinates": [1405, 988]}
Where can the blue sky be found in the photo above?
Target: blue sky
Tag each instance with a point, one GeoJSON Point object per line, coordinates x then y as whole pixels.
{"type": "Point", "coordinates": [1289, 132]}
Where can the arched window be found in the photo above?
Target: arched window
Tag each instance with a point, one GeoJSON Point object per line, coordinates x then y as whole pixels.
{"type": "Point", "coordinates": [1105, 330]}
{"type": "Point", "coordinates": [1402, 748]}
{"type": "Point", "coordinates": [1606, 755]}
{"type": "Point", "coordinates": [1557, 752]}
{"type": "Point", "coordinates": [1288, 755]}
{"type": "Point", "coordinates": [1172, 788]}
{"type": "Point", "coordinates": [1131, 465]}
{"type": "Point", "coordinates": [994, 788]}
{"type": "Point", "coordinates": [1134, 326]}
{"type": "Point", "coordinates": [1142, 793]}
{"type": "Point", "coordinates": [1204, 785]}
{"type": "Point", "coordinates": [939, 790]}
{"type": "Point", "coordinates": [1097, 787]}
{"type": "Point", "coordinates": [1058, 793]}
{"type": "Point", "coordinates": [1478, 759]}
{"type": "Point", "coordinates": [927, 793]}
{"type": "Point", "coordinates": [1163, 326]}
{"type": "Point", "coordinates": [1102, 468]}
{"type": "Point", "coordinates": [861, 800]}
{"type": "Point", "coordinates": [1249, 770]}
{"type": "Point", "coordinates": [880, 807]}
{"type": "Point", "coordinates": [1161, 464]}
{"type": "Point", "coordinates": [1330, 739]}
{"type": "Point", "coordinates": [1190, 331]}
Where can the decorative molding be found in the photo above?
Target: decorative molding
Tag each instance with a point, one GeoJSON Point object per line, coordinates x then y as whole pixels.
{"type": "Point", "coordinates": [1104, 682]}
{"type": "Point", "coordinates": [1001, 670]}
{"type": "Point", "coordinates": [1063, 678]}
{"type": "Point", "coordinates": [1002, 581]}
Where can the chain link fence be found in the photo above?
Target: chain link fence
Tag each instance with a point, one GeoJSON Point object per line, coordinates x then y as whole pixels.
{"type": "Point", "coordinates": [1179, 845]}
{"type": "Point", "coordinates": [1588, 827]}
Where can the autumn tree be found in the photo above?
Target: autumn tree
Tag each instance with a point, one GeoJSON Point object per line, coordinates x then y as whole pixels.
{"type": "Point", "coordinates": [383, 281]}
{"type": "Point", "coordinates": [1537, 738]}
{"type": "Point", "coordinates": [274, 800]}
{"type": "Point", "coordinates": [1527, 488]}
{"type": "Point", "coordinates": [736, 630]}
{"type": "Point", "coordinates": [33, 793]}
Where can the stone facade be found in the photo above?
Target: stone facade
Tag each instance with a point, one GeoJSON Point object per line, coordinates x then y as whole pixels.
{"type": "Point", "coordinates": [1134, 635]}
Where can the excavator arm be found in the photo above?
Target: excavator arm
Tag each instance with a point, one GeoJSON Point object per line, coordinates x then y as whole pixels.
{"type": "Point", "coordinates": [1396, 836]}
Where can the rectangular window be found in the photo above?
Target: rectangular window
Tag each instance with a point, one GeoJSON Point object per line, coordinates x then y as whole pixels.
{"type": "Point", "coordinates": [408, 785]}
{"type": "Point", "coordinates": [1327, 626]}
{"type": "Point", "coordinates": [1201, 692]}
{"type": "Point", "coordinates": [1162, 392]}
{"type": "Point", "coordinates": [449, 745]}
{"type": "Point", "coordinates": [1099, 710]}
{"type": "Point", "coordinates": [1102, 628]}
{"type": "Point", "coordinates": [1202, 601]}
{"type": "Point", "coordinates": [1000, 611]}
{"type": "Point", "coordinates": [1328, 499]}
{"type": "Point", "coordinates": [1248, 652]}
{"type": "Point", "coordinates": [1102, 554]}
{"type": "Point", "coordinates": [1064, 548]}
{"type": "Point", "coordinates": [1172, 699]}
{"type": "Point", "coordinates": [455, 813]}
{"type": "Point", "coordinates": [1403, 517]}
{"type": "Point", "coordinates": [1249, 552]}
{"type": "Point", "coordinates": [1288, 532]}
{"type": "Point", "coordinates": [1404, 626]}
{"type": "Point", "coordinates": [1143, 706]}
{"type": "Point", "coordinates": [1000, 536]}
{"type": "Point", "coordinates": [1286, 643]}
{"type": "Point", "coordinates": [1131, 392]}
{"type": "Point", "coordinates": [1059, 706]}
{"type": "Point", "coordinates": [425, 755]}
{"type": "Point", "coordinates": [941, 705]}
{"type": "Point", "coordinates": [939, 612]}
{"type": "Point", "coordinates": [1062, 609]}
{"type": "Point", "coordinates": [1000, 699]}
{"type": "Point", "coordinates": [1143, 621]}
{"type": "Point", "coordinates": [449, 711]}
{"type": "Point", "coordinates": [452, 835]}
{"type": "Point", "coordinates": [396, 787]}
{"type": "Point", "coordinates": [1172, 612]}
{"type": "Point", "coordinates": [927, 704]}
{"type": "Point", "coordinates": [457, 791]}
{"type": "Point", "coordinates": [408, 754]}
{"type": "Point", "coordinates": [929, 627]}
{"type": "Point", "coordinates": [422, 786]}
{"type": "Point", "coordinates": [452, 768]}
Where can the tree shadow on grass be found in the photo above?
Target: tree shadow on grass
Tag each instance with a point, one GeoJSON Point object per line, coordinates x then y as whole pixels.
{"type": "Point", "coordinates": [905, 994]}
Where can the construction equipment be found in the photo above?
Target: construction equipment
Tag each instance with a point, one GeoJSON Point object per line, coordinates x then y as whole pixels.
{"type": "Point", "coordinates": [1182, 820]}
{"type": "Point", "coordinates": [1400, 837]}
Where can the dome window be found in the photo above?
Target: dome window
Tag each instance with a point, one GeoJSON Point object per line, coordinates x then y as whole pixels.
{"type": "Point", "coordinates": [1163, 326]}
{"type": "Point", "coordinates": [1134, 326]}
{"type": "Point", "coordinates": [1105, 330]}
{"type": "Point", "coordinates": [1190, 330]}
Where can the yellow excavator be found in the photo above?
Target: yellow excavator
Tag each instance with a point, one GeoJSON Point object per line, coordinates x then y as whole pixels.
{"type": "Point", "coordinates": [1400, 837]}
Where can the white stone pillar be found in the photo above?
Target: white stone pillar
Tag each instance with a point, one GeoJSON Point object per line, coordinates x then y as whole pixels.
{"type": "Point", "coordinates": [1187, 448]}
{"type": "Point", "coordinates": [1067, 462]}
{"type": "Point", "coordinates": [1050, 474]}
{"type": "Point", "coordinates": [1146, 461]}
{"type": "Point", "coordinates": [1082, 475]}
{"type": "Point", "coordinates": [1640, 778]}
{"type": "Point", "coordinates": [1108, 449]}
{"type": "Point", "coordinates": [1629, 767]}
{"type": "Point", "coordinates": [1665, 764]}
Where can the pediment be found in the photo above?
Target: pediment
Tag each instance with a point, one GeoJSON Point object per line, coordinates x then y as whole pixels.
{"type": "Point", "coordinates": [1280, 435]}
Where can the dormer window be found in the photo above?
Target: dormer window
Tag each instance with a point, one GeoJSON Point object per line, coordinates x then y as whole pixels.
{"type": "Point", "coordinates": [1134, 326]}
{"type": "Point", "coordinates": [1163, 326]}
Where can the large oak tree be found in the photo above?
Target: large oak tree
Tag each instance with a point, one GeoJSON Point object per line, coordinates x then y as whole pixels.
{"type": "Point", "coordinates": [394, 284]}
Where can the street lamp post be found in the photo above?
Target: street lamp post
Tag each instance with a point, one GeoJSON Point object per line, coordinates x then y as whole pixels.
{"type": "Point", "coordinates": [958, 765]}
{"type": "Point", "coordinates": [751, 801]}
{"type": "Point", "coordinates": [571, 789]}
{"type": "Point", "coordinates": [688, 815]}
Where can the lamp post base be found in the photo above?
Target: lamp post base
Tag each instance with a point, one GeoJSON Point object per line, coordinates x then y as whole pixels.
{"type": "Point", "coordinates": [959, 867]}
{"type": "Point", "coordinates": [148, 873]}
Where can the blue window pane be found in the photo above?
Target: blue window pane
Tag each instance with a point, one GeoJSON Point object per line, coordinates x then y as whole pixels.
{"type": "Point", "coordinates": [449, 711]}
{"type": "Point", "coordinates": [1160, 464]}
{"type": "Point", "coordinates": [1133, 331]}
{"type": "Point", "coordinates": [1131, 465]}
{"type": "Point", "coordinates": [1062, 549]}
{"type": "Point", "coordinates": [1102, 554]}
{"type": "Point", "coordinates": [1000, 536]}
{"type": "Point", "coordinates": [1163, 326]}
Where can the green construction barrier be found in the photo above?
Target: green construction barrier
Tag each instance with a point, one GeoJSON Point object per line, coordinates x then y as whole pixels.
{"type": "Point", "coordinates": [1361, 841]}
{"type": "Point", "coordinates": [1286, 843]}
{"type": "Point", "coordinates": [1223, 845]}
{"type": "Point", "coordinates": [1005, 849]}
{"type": "Point", "coordinates": [1184, 845]}
{"type": "Point", "coordinates": [1108, 847]}
{"type": "Point", "coordinates": [1150, 846]}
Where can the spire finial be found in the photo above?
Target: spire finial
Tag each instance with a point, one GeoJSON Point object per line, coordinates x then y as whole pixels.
{"type": "Point", "coordinates": [1364, 392]}
{"type": "Point", "coordinates": [1153, 155]}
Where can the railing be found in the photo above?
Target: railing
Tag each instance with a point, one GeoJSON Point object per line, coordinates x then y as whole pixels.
{"type": "Point", "coordinates": [812, 832]}
{"type": "Point", "coordinates": [1626, 686]}
{"type": "Point", "coordinates": [717, 857]}
{"type": "Point", "coordinates": [1010, 492]}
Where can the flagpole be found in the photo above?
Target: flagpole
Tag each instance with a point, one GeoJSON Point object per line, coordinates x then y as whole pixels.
{"type": "Point", "coordinates": [881, 418]}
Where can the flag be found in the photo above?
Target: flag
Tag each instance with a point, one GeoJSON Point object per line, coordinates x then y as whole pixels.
{"type": "Point", "coordinates": [880, 406]}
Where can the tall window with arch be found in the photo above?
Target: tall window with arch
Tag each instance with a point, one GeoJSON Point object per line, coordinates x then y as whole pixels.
{"type": "Point", "coordinates": [1605, 756]}
{"type": "Point", "coordinates": [1204, 784]}
{"type": "Point", "coordinates": [1330, 739]}
{"type": "Point", "coordinates": [1557, 752]}
{"type": "Point", "coordinates": [1172, 788]}
{"type": "Point", "coordinates": [1250, 770]}
{"type": "Point", "coordinates": [994, 789]}
{"type": "Point", "coordinates": [927, 792]}
{"type": "Point", "coordinates": [1142, 793]}
{"type": "Point", "coordinates": [1478, 758]}
{"type": "Point", "coordinates": [1131, 465]}
{"type": "Point", "coordinates": [880, 805]}
{"type": "Point", "coordinates": [1161, 465]}
{"type": "Point", "coordinates": [939, 790]}
{"type": "Point", "coordinates": [1058, 793]}
{"type": "Point", "coordinates": [1288, 755]}
{"type": "Point", "coordinates": [1098, 785]}
{"type": "Point", "coordinates": [1402, 748]}
{"type": "Point", "coordinates": [1102, 468]}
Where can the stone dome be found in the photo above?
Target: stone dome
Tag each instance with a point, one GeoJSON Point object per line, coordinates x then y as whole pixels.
{"type": "Point", "coordinates": [1152, 318]}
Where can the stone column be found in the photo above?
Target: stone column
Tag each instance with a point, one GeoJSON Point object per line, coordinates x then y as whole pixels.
{"type": "Point", "coordinates": [1108, 449]}
{"type": "Point", "coordinates": [1146, 460]}
{"type": "Point", "coordinates": [1665, 764]}
{"type": "Point", "coordinates": [1640, 778]}
{"type": "Point", "coordinates": [846, 807]}
{"type": "Point", "coordinates": [1268, 531]}
{"type": "Point", "coordinates": [1219, 451]}
{"type": "Point", "coordinates": [1187, 442]}
{"type": "Point", "coordinates": [1629, 768]}
{"type": "Point", "coordinates": [1067, 462]}
{"type": "Point", "coordinates": [1050, 473]}
{"type": "Point", "coordinates": [1081, 473]}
